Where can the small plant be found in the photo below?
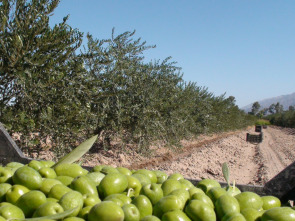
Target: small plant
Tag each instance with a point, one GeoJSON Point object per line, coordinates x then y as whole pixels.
{"type": "Point", "coordinates": [232, 190]}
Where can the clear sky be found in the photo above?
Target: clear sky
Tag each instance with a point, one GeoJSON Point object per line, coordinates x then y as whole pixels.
{"type": "Point", "coordinates": [243, 48]}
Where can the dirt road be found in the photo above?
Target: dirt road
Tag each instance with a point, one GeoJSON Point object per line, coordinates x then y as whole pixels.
{"type": "Point", "coordinates": [277, 151]}
{"type": "Point", "coordinates": [249, 163]}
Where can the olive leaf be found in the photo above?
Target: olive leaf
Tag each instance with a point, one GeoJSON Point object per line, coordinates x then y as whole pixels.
{"type": "Point", "coordinates": [78, 152]}
{"type": "Point", "coordinates": [57, 216]}
{"type": "Point", "coordinates": [225, 171]}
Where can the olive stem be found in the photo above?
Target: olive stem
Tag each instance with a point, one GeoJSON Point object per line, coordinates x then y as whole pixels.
{"type": "Point", "coordinates": [130, 190]}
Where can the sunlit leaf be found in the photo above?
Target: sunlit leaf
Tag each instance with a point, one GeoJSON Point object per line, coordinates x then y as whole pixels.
{"type": "Point", "coordinates": [78, 152]}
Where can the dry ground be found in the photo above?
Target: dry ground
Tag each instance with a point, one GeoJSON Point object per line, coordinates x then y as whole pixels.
{"type": "Point", "coordinates": [249, 163]}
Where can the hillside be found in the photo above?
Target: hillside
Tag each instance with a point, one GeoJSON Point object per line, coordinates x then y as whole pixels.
{"type": "Point", "coordinates": [285, 100]}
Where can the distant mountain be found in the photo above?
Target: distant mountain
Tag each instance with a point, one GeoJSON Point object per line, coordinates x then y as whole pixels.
{"type": "Point", "coordinates": [285, 100]}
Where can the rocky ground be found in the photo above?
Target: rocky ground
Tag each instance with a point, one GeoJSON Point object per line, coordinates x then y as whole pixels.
{"type": "Point", "coordinates": [249, 163]}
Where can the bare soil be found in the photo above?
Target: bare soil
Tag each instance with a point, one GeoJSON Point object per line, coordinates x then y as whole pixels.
{"type": "Point", "coordinates": [249, 163]}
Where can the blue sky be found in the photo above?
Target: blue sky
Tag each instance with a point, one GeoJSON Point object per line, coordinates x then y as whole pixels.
{"type": "Point", "coordinates": [245, 49]}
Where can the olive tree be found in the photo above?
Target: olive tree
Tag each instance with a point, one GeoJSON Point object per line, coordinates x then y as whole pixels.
{"type": "Point", "coordinates": [132, 97]}
{"type": "Point", "coordinates": [108, 89]}
{"type": "Point", "coordinates": [41, 84]}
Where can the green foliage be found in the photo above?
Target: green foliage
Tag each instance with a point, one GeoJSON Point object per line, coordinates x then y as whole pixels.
{"type": "Point", "coordinates": [262, 122]}
{"type": "Point", "coordinates": [255, 108]}
{"type": "Point", "coordinates": [283, 119]}
{"type": "Point", "coordinates": [47, 91]}
{"type": "Point", "coordinates": [41, 85]}
{"type": "Point", "coordinates": [279, 108]}
{"type": "Point", "coordinates": [279, 117]}
{"type": "Point", "coordinates": [271, 109]}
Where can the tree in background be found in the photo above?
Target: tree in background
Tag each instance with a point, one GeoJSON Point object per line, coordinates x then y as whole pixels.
{"type": "Point", "coordinates": [265, 111]}
{"type": "Point", "coordinates": [282, 118]}
{"type": "Point", "coordinates": [278, 108]}
{"type": "Point", "coordinates": [262, 112]}
{"type": "Point", "coordinates": [271, 109]}
{"type": "Point", "coordinates": [255, 108]}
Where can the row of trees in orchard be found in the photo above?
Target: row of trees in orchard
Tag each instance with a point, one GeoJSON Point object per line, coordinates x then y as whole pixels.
{"type": "Point", "coordinates": [50, 87]}
{"type": "Point", "coordinates": [283, 119]}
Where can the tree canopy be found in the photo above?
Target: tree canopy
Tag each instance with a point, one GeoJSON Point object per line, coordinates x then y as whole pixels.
{"type": "Point", "coordinates": [109, 88]}
{"type": "Point", "coordinates": [255, 108]}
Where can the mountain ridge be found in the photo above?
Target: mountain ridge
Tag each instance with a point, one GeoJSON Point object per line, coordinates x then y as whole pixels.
{"type": "Point", "coordinates": [285, 100]}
